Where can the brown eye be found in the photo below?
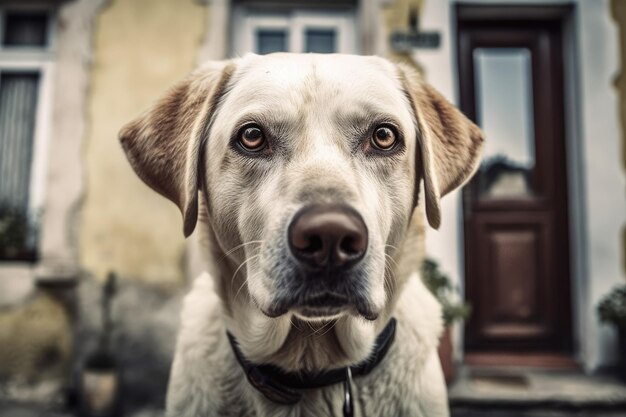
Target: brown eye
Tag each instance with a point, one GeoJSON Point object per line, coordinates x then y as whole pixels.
{"type": "Point", "coordinates": [384, 138]}
{"type": "Point", "coordinates": [252, 139]}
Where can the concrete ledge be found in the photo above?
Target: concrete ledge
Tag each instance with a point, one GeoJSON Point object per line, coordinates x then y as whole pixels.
{"type": "Point", "coordinates": [498, 412]}
{"type": "Point", "coordinates": [56, 277]}
{"type": "Point", "coordinates": [524, 389]}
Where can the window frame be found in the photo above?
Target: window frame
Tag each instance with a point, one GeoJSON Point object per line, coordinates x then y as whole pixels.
{"type": "Point", "coordinates": [247, 21]}
{"type": "Point", "coordinates": [40, 60]}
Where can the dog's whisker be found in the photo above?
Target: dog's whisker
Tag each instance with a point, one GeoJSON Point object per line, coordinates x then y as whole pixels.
{"type": "Point", "coordinates": [294, 324]}
{"type": "Point", "coordinates": [390, 258]}
{"type": "Point", "coordinates": [232, 279]}
{"type": "Point", "coordinates": [230, 251]}
{"type": "Point", "coordinates": [391, 264]}
{"type": "Point", "coordinates": [242, 264]}
{"type": "Point", "coordinates": [310, 327]}
{"type": "Point", "coordinates": [334, 323]}
{"type": "Point", "coordinates": [326, 327]}
{"type": "Point", "coordinates": [394, 249]}
{"type": "Point", "coordinates": [387, 284]}
{"type": "Point", "coordinates": [316, 332]}
{"type": "Point", "coordinates": [245, 282]}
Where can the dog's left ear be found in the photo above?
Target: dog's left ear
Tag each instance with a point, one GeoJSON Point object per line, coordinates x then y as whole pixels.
{"type": "Point", "coordinates": [448, 143]}
{"type": "Point", "coordinates": [164, 144]}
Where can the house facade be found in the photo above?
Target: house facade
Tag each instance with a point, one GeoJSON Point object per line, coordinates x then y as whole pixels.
{"type": "Point", "coordinates": [533, 241]}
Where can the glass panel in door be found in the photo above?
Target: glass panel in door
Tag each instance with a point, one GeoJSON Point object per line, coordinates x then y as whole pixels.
{"type": "Point", "coordinates": [504, 103]}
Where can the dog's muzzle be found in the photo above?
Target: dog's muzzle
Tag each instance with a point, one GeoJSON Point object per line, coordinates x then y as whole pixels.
{"type": "Point", "coordinates": [328, 243]}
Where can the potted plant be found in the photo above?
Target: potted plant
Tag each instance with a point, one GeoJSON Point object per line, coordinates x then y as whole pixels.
{"type": "Point", "coordinates": [612, 310]}
{"type": "Point", "coordinates": [18, 233]}
{"type": "Point", "coordinates": [100, 376]}
{"type": "Point", "coordinates": [453, 307]}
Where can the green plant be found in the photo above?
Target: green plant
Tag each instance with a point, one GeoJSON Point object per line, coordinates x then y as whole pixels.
{"type": "Point", "coordinates": [612, 307]}
{"type": "Point", "coordinates": [446, 293]}
{"type": "Point", "coordinates": [17, 234]}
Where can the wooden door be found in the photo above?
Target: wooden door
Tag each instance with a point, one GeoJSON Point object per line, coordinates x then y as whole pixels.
{"type": "Point", "coordinates": [515, 208]}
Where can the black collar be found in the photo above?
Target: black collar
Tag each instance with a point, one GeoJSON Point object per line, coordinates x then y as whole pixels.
{"type": "Point", "coordinates": [282, 387]}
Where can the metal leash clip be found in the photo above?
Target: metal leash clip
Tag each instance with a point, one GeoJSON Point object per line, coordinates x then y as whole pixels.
{"type": "Point", "coordinates": [348, 409]}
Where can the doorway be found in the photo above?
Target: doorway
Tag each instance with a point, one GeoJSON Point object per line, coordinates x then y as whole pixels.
{"type": "Point", "coordinates": [517, 277]}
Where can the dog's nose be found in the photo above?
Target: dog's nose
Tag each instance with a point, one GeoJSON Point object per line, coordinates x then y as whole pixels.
{"type": "Point", "coordinates": [328, 236]}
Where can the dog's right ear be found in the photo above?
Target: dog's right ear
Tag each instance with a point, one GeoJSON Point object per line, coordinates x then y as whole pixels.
{"type": "Point", "coordinates": [449, 144]}
{"type": "Point", "coordinates": [164, 144]}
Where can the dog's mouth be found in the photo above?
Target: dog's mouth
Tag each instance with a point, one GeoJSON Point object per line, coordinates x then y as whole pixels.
{"type": "Point", "coordinates": [323, 306]}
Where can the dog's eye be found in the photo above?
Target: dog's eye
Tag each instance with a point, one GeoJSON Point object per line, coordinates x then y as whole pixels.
{"type": "Point", "coordinates": [384, 138]}
{"type": "Point", "coordinates": [252, 139]}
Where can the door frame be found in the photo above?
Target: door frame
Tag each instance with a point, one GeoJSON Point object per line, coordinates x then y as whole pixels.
{"type": "Point", "coordinates": [590, 123]}
{"type": "Point", "coordinates": [548, 18]}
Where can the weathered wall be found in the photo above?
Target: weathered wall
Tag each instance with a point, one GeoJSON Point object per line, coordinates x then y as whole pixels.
{"type": "Point", "coordinates": [35, 348]}
{"type": "Point", "coordinates": [619, 14]}
{"type": "Point", "coordinates": [141, 48]}
{"type": "Point", "coordinates": [36, 323]}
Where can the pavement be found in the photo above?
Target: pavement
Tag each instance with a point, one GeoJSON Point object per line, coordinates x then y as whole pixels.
{"type": "Point", "coordinates": [481, 393]}
{"type": "Point", "coordinates": [21, 410]}
{"type": "Point", "coordinates": [532, 393]}
{"type": "Point", "coordinates": [34, 410]}
{"type": "Point", "coordinates": [494, 412]}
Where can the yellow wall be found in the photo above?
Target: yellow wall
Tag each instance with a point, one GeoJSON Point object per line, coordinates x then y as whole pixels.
{"type": "Point", "coordinates": [35, 340]}
{"type": "Point", "coordinates": [141, 48]}
{"type": "Point", "coordinates": [396, 18]}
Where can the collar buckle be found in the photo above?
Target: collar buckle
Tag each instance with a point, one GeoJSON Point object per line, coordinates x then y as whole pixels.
{"type": "Point", "coordinates": [348, 409]}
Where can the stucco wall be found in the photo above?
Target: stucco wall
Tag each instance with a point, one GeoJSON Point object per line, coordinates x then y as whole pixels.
{"type": "Point", "coordinates": [619, 14]}
{"type": "Point", "coordinates": [141, 48]}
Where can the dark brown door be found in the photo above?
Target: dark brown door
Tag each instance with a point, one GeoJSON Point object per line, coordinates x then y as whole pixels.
{"type": "Point", "coordinates": [515, 208]}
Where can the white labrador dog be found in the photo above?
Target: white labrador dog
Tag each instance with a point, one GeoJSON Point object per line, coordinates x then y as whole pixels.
{"type": "Point", "coordinates": [305, 171]}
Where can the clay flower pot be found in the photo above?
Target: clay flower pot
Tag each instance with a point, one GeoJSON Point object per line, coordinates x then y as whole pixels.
{"type": "Point", "coordinates": [446, 355]}
{"type": "Point", "coordinates": [100, 387]}
{"type": "Point", "coordinates": [621, 334]}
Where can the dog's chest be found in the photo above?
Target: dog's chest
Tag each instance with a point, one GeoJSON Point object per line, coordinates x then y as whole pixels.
{"type": "Point", "coordinates": [207, 380]}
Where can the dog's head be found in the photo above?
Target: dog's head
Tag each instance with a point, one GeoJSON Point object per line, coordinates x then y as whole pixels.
{"type": "Point", "coordinates": [310, 168]}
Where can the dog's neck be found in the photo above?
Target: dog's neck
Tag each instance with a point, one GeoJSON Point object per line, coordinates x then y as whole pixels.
{"type": "Point", "coordinates": [284, 387]}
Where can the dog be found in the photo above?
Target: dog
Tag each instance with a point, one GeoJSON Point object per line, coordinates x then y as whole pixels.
{"type": "Point", "coordinates": [305, 172]}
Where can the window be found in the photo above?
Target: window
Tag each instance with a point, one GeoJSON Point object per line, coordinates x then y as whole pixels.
{"type": "Point", "coordinates": [271, 40]}
{"type": "Point", "coordinates": [265, 31]}
{"type": "Point", "coordinates": [25, 66]}
{"type": "Point", "coordinates": [25, 28]}
{"type": "Point", "coordinates": [321, 41]}
{"type": "Point", "coordinates": [504, 105]}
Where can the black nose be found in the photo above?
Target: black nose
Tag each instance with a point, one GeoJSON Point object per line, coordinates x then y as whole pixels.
{"type": "Point", "coordinates": [328, 236]}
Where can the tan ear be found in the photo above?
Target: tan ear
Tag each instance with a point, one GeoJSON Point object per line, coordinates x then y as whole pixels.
{"type": "Point", "coordinates": [164, 144]}
{"type": "Point", "coordinates": [449, 144]}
